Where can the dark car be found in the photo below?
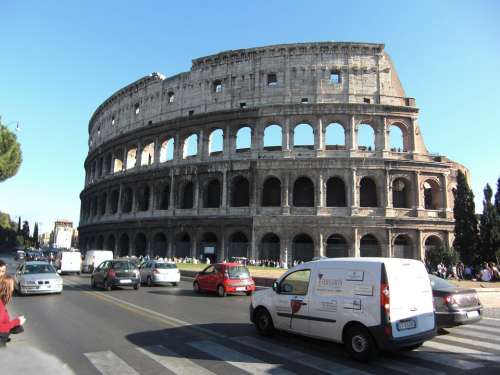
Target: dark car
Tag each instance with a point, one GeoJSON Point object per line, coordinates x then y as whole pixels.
{"type": "Point", "coordinates": [224, 278]}
{"type": "Point", "coordinates": [20, 255]}
{"type": "Point", "coordinates": [454, 306]}
{"type": "Point", "coordinates": [113, 273]}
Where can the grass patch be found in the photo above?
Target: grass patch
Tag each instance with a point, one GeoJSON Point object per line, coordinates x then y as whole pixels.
{"type": "Point", "coordinates": [270, 272]}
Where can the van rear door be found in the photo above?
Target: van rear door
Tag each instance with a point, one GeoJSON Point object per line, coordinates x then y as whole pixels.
{"type": "Point", "coordinates": [411, 305]}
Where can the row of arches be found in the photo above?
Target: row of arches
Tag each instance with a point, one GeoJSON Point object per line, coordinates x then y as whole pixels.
{"type": "Point", "coordinates": [335, 136]}
{"type": "Point", "coordinates": [238, 245]}
{"type": "Point", "coordinates": [303, 194]}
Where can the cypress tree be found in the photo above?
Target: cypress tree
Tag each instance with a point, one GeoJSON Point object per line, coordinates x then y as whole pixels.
{"type": "Point", "coordinates": [35, 235]}
{"type": "Point", "coordinates": [497, 197]}
{"type": "Point", "coordinates": [488, 227]}
{"type": "Point", "coordinates": [19, 225]}
{"type": "Point", "coordinates": [466, 228]}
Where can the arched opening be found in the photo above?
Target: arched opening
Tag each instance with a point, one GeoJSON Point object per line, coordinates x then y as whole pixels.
{"type": "Point", "coordinates": [142, 196]}
{"type": "Point", "coordinates": [208, 246]}
{"type": "Point", "coordinates": [118, 164]}
{"type": "Point", "coordinates": [164, 197]}
{"type": "Point", "coordinates": [271, 193]}
{"type": "Point", "coordinates": [167, 150]}
{"type": "Point", "coordinates": [433, 243]}
{"type": "Point", "coordinates": [432, 199]}
{"type": "Point", "coordinates": [182, 245]}
{"type": "Point", "coordinates": [434, 247]}
{"type": "Point", "coordinates": [335, 137]}
{"type": "Point", "coordinates": [396, 139]}
{"type": "Point", "coordinates": [303, 136]}
{"type": "Point", "coordinates": [216, 142]}
{"type": "Point", "coordinates": [273, 137]}
{"type": "Point", "coordinates": [124, 245]}
{"type": "Point", "coordinates": [100, 242]}
{"type": "Point", "coordinates": [367, 193]}
{"type": "Point", "coordinates": [140, 244]}
{"type": "Point", "coordinates": [244, 139]}
{"type": "Point", "coordinates": [148, 154]}
{"type": "Point", "coordinates": [335, 193]}
{"type": "Point", "coordinates": [190, 148]}
{"type": "Point", "coordinates": [402, 247]}
{"type": "Point", "coordinates": [303, 192]}
{"type": "Point", "coordinates": [303, 248]}
{"type": "Point", "coordinates": [115, 195]}
{"type": "Point", "coordinates": [127, 200]}
{"type": "Point", "coordinates": [107, 163]}
{"type": "Point", "coordinates": [270, 247]}
{"type": "Point", "coordinates": [400, 193]}
{"type": "Point", "coordinates": [102, 204]}
{"type": "Point", "coordinates": [240, 196]}
{"type": "Point", "coordinates": [366, 137]}
{"type": "Point", "coordinates": [111, 243]}
{"type": "Point", "coordinates": [160, 245]}
{"type": "Point", "coordinates": [238, 245]}
{"type": "Point", "coordinates": [369, 246]}
{"type": "Point", "coordinates": [187, 196]}
{"type": "Point", "coordinates": [131, 158]}
{"type": "Point", "coordinates": [336, 247]}
{"type": "Point", "coordinates": [212, 194]}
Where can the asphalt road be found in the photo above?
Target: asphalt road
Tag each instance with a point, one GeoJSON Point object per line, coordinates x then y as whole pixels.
{"type": "Point", "coordinates": [172, 330]}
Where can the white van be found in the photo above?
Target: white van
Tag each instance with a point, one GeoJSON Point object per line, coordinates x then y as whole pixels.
{"type": "Point", "coordinates": [365, 303]}
{"type": "Point", "coordinates": [69, 261]}
{"type": "Point", "coordinates": [95, 257]}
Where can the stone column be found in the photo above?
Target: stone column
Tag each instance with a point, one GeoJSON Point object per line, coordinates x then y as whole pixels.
{"type": "Point", "coordinates": [194, 244]}
{"type": "Point", "coordinates": [353, 194]}
{"type": "Point", "coordinates": [411, 137]}
{"type": "Point", "coordinates": [319, 140]}
{"type": "Point", "coordinates": [196, 200]}
{"type": "Point", "coordinates": [387, 190]}
{"type": "Point", "coordinates": [120, 197]}
{"type": "Point", "coordinates": [202, 146]}
{"type": "Point", "coordinates": [285, 254]}
{"type": "Point", "coordinates": [222, 251]}
{"type": "Point", "coordinates": [418, 199]}
{"type": "Point", "coordinates": [285, 199]}
{"type": "Point", "coordinates": [420, 246]}
{"type": "Point", "coordinates": [321, 245]}
{"type": "Point", "coordinates": [354, 251]}
{"type": "Point", "coordinates": [444, 186]}
{"type": "Point", "coordinates": [320, 193]}
{"type": "Point", "coordinates": [285, 134]}
{"type": "Point", "coordinates": [178, 148]}
{"type": "Point", "coordinates": [390, 251]}
{"type": "Point", "coordinates": [227, 148]}
{"type": "Point", "coordinates": [152, 194]}
{"type": "Point", "coordinates": [254, 203]}
{"type": "Point", "coordinates": [173, 191]}
{"type": "Point", "coordinates": [253, 244]}
{"type": "Point", "coordinates": [157, 148]}
{"type": "Point", "coordinates": [382, 132]}
{"type": "Point", "coordinates": [351, 135]}
{"type": "Point", "coordinates": [257, 137]}
{"type": "Point", "coordinates": [138, 156]}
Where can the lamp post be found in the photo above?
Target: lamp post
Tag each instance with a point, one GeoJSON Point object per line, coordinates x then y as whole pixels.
{"type": "Point", "coordinates": [18, 128]}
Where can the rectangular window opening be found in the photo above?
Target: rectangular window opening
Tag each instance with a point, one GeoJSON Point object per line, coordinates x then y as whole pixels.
{"type": "Point", "coordinates": [190, 113]}
{"type": "Point", "coordinates": [137, 108]}
{"type": "Point", "coordinates": [335, 77]}
{"type": "Point", "coordinates": [243, 105]}
{"type": "Point", "coordinates": [304, 100]}
{"type": "Point", "coordinates": [366, 100]}
{"type": "Point", "coordinates": [272, 79]}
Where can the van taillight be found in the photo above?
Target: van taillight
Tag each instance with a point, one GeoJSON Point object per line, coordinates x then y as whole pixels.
{"type": "Point", "coordinates": [385, 300]}
{"type": "Point", "coordinates": [111, 273]}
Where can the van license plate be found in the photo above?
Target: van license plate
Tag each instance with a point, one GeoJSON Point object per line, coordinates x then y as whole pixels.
{"type": "Point", "coordinates": [403, 325]}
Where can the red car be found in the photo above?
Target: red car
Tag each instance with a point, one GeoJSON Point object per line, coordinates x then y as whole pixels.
{"type": "Point", "coordinates": [224, 278]}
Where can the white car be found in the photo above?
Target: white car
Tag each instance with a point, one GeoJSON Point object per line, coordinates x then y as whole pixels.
{"type": "Point", "coordinates": [156, 272]}
{"type": "Point", "coordinates": [365, 303]}
{"type": "Point", "coordinates": [37, 278]}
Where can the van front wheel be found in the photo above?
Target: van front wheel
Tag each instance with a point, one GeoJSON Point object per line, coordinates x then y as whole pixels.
{"type": "Point", "coordinates": [359, 344]}
{"type": "Point", "coordinates": [264, 322]}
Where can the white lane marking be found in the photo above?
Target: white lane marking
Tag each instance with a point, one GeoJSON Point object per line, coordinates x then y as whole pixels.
{"type": "Point", "coordinates": [488, 318]}
{"type": "Point", "coordinates": [480, 344]}
{"type": "Point", "coordinates": [445, 359]}
{"type": "Point", "coordinates": [474, 334]}
{"type": "Point", "coordinates": [475, 327]}
{"type": "Point", "coordinates": [460, 350]}
{"type": "Point", "coordinates": [242, 361]}
{"type": "Point", "coordinates": [173, 361]}
{"type": "Point", "coordinates": [108, 363]}
{"type": "Point", "coordinates": [296, 356]}
{"type": "Point", "coordinates": [407, 368]}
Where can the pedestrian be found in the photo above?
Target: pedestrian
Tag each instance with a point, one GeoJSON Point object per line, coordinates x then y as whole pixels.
{"type": "Point", "coordinates": [8, 326]}
{"type": "Point", "coordinates": [3, 268]}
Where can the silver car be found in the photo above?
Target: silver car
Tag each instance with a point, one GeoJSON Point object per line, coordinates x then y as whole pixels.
{"type": "Point", "coordinates": [157, 272]}
{"type": "Point", "coordinates": [37, 278]}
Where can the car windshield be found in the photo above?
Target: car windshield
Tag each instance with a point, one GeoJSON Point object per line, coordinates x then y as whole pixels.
{"type": "Point", "coordinates": [165, 265]}
{"type": "Point", "coordinates": [38, 268]}
{"type": "Point", "coordinates": [238, 272]}
{"type": "Point", "coordinates": [123, 266]}
{"type": "Point", "coordinates": [438, 283]}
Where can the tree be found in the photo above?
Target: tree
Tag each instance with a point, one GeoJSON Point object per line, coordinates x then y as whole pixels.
{"type": "Point", "coordinates": [10, 153]}
{"type": "Point", "coordinates": [26, 230]}
{"type": "Point", "coordinates": [488, 228]}
{"type": "Point", "coordinates": [497, 197]}
{"type": "Point", "coordinates": [35, 236]}
{"type": "Point", "coordinates": [466, 228]}
{"type": "Point", "coordinates": [19, 225]}
{"type": "Point", "coordinates": [441, 254]}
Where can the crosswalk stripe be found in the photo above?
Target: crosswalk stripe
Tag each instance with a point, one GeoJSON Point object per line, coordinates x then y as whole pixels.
{"type": "Point", "coordinates": [476, 327]}
{"type": "Point", "coordinates": [457, 349]}
{"type": "Point", "coordinates": [487, 326]}
{"type": "Point", "coordinates": [445, 359]}
{"type": "Point", "coordinates": [108, 363]}
{"type": "Point", "coordinates": [239, 360]}
{"type": "Point", "coordinates": [475, 334]}
{"type": "Point", "coordinates": [173, 361]}
{"type": "Point", "coordinates": [480, 344]}
{"type": "Point", "coordinates": [407, 368]}
{"type": "Point", "coordinates": [296, 356]}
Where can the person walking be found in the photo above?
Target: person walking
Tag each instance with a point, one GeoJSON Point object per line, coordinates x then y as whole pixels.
{"type": "Point", "coordinates": [8, 326]}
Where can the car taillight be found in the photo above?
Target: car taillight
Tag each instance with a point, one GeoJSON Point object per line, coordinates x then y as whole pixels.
{"type": "Point", "coordinates": [111, 273]}
{"type": "Point", "coordinates": [449, 300]}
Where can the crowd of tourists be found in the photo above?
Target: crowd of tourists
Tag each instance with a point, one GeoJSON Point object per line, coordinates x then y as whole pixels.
{"type": "Point", "coordinates": [484, 272]}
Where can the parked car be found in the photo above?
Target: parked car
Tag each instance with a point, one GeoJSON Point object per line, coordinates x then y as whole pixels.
{"type": "Point", "coordinates": [36, 277]}
{"type": "Point", "coordinates": [224, 278]}
{"type": "Point", "coordinates": [156, 272]}
{"type": "Point", "coordinates": [95, 257]}
{"type": "Point", "coordinates": [20, 255]}
{"type": "Point", "coordinates": [113, 273]}
{"type": "Point", "coordinates": [454, 306]}
{"type": "Point", "coordinates": [365, 303]}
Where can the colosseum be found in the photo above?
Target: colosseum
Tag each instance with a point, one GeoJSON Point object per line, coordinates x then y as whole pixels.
{"type": "Point", "coordinates": [258, 153]}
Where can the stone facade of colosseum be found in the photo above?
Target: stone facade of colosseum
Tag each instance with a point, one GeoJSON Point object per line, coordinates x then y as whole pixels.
{"type": "Point", "coordinates": [235, 158]}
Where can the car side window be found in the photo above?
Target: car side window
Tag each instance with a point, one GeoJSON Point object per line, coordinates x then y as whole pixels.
{"type": "Point", "coordinates": [209, 270]}
{"type": "Point", "coordinates": [296, 283]}
{"type": "Point", "coordinates": [217, 269]}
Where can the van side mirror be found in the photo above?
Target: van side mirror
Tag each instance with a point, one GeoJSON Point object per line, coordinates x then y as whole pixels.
{"type": "Point", "coordinates": [276, 287]}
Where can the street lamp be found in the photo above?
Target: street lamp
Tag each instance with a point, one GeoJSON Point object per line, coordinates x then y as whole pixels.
{"type": "Point", "coordinates": [18, 128]}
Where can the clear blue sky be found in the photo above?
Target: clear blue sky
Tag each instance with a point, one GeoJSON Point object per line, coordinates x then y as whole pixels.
{"type": "Point", "coordinates": [60, 60]}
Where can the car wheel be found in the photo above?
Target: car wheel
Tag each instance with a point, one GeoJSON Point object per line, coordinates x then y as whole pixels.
{"type": "Point", "coordinates": [136, 286]}
{"type": "Point", "coordinates": [263, 322]}
{"type": "Point", "coordinates": [149, 282]}
{"type": "Point", "coordinates": [221, 292]}
{"type": "Point", "coordinates": [196, 287]}
{"type": "Point", "coordinates": [174, 284]}
{"type": "Point", "coordinates": [107, 286]}
{"type": "Point", "coordinates": [359, 344]}
{"type": "Point", "coordinates": [249, 293]}
{"type": "Point", "coordinates": [92, 283]}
